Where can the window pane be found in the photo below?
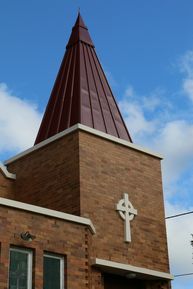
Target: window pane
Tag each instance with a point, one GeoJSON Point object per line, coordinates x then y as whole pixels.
{"type": "Point", "coordinates": [18, 270]}
{"type": "Point", "coordinates": [52, 275]}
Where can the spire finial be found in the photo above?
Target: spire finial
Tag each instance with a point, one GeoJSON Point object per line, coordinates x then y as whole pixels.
{"type": "Point", "coordinates": [78, 10]}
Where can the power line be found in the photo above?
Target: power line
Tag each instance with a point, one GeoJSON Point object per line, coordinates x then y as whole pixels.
{"type": "Point", "coordinates": [179, 215]}
{"type": "Point", "coordinates": [182, 275]}
{"type": "Point", "coordinates": [175, 216]}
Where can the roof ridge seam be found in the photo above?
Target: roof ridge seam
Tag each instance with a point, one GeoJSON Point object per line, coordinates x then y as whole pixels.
{"type": "Point", "coordinates": [49, 102]}
{"type": "Point", "coordinates": [72, 87]}
{"type": "Point", "coordinates": [105, 93]}
{"type": "Point", "coordinates": [97, 90]}
{"type": "Point", "coordinates": [63, 98]}
{"type": "Point", "coordinates": [52, 114]}
{"type": "Point", "coordinates": [113, 98]}
{"type": "Point", "coordinates": [90, 102]}
{"type": "Point", "coordinates": [79, 85]}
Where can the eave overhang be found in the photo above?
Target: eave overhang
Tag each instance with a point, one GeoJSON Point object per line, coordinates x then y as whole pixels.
{"type": "Point", "coordinates": [126, 269]}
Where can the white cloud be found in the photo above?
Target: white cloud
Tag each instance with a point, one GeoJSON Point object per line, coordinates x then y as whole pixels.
{"type": "Point", "coordinates": [134, 115]}
{"type": "Point", "coordinates": [135, 119]}
{"type": "Point", "coordinates": [188, 87]}
{"type": "Point", "coordinates": [186, 63]}
{"type": "Point", "coordinates": [19, 122]}
{"type": "Point", "coordinates": [110, 78]}
{"type": "Point", "coordinates": [175, 141]}
{"type": "Point", "coordinates": [153, 122]}
{"type": "Point", "coordinates": [186, 66]}
{"type": "Point", "coordinates": [151, 103]}
{"type": "Point", "coordinates": [129, 91]}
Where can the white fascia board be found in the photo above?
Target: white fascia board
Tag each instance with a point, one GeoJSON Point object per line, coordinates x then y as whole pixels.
{"type": "Point", "coordinates": [41, 144]}
{"type": "Point", "coordinates": [126, 269]}
{"type": "Point", "coordinates": [6, 173]}
{"type": "Point", "coordinates": [89, 130]}
{"type": "Point", "coordinates": [118, 140]}
{"type": "Point", "coordinates": [48, 212]}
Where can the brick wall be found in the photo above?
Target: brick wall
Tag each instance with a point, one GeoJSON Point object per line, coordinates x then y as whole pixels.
{"type": "Point", "coordinates": [52, 235]}
{"type": "Point", "coordinates": [87, 175]}
{"type": "Point", "coordinates": [107, 170]}
{"type": "Point", "coordinates": [6, 187]}
{"type": "Point", "coordinates": [49, 177]}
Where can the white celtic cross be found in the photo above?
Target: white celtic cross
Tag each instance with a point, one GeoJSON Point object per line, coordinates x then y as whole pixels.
{"type": "Point", "coordinates": [127, 213]}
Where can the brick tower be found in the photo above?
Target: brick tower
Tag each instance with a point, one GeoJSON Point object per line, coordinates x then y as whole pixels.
{"type": "Point", "coordinates": [83, 208]}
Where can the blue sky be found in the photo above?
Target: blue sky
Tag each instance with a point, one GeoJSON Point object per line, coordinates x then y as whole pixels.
{"type": "Point", "coordinates": [146, 49]}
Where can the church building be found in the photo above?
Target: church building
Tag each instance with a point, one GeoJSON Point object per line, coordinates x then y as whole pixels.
{"type": "Point", "coordinates": [83, 208]}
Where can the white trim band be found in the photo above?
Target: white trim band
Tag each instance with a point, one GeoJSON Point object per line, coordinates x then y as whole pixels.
{"type": "Point", "coordinates": [6, 173]}
{"type": "Point", "coordinates": [125, 269]}
{"type": "Point", "coordinates": [86, 129]}
{"type": "Point", "coordinates": [118, 140]}
{"type": "Point", "coordinates": [48, 212]}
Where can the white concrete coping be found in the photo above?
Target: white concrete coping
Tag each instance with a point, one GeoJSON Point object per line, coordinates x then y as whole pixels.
{"type": "Point", "coordinates": [5, 172]}
{"type": "Point", "coordinates": [86, 129]}
{"type": "Point", "coordinates": [48, 212]}
{"type": "Point", "coordinates": [125, 270]}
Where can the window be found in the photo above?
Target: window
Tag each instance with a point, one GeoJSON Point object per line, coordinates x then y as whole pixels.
{"type": "Point", "coordinates": [20, 269]}
{"type": "Point", "coordinates": [53, 272]}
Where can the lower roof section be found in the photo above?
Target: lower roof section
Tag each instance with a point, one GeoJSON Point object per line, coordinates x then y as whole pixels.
{"type": "Point", "coordinates": [129, 270]}
{"type": "Point", "coordinates": [48, 212]}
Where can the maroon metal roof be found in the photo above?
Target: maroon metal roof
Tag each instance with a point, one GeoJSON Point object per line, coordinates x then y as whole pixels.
{"type": "Point", "coordinates": [81, 93]}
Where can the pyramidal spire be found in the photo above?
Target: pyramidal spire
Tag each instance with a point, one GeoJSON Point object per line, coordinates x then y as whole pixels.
{"type": "Point", "coordinates": [81, 93]}
{"type": "Point", "coordinates": [79, 33]}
